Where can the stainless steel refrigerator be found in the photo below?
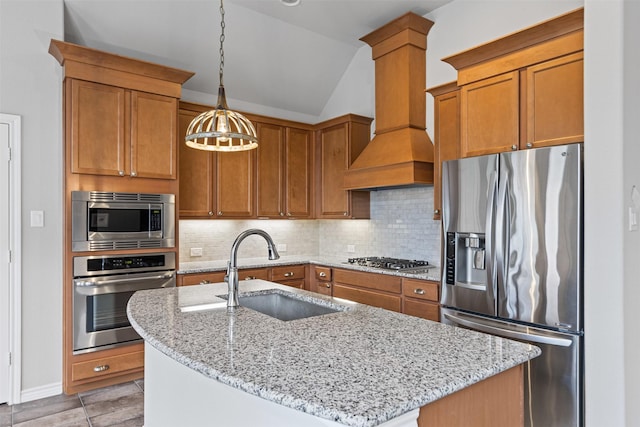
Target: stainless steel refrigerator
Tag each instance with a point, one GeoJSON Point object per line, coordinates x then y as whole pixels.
{"type": "Point", "coordinates": [512, 266]}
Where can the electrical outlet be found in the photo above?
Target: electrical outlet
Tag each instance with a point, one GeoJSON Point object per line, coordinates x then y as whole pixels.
{"type": "Point", "coordinates": [196, 251]}
{"type": "Point", "coordinates": [351, 248]}
{"type": "Point", "coordinates": [281, 247]}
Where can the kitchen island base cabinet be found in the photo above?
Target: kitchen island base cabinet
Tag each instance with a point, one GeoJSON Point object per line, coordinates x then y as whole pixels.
{"type": "Point", "coordinates": [175, 394]}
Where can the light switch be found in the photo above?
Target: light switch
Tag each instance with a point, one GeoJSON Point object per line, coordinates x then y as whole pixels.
{"type": "Point", "coordinates": [633, 219]}
{"type": "Point", "coordinates": [37, 218]}
{"type": "Point", "coordinates": [196, 252]}
{"type": "Point", "coordinates": [351, 248]}
{"type": "Point", "coordinates": [281, 247]}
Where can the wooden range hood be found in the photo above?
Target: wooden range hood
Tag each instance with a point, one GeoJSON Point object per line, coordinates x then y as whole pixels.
{"type": "Point", "coordinates": [401, 153]}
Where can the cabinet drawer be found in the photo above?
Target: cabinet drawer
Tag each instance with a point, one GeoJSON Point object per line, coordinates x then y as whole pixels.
{"type": "Point", "coordinates": [200, 278]}
{"type": "Point", "coordinates": [380, 282]}
{"type": "Point", "coordinates": [287, 272]}
{"type": "Point", "coordinates": [323, 274]}
{"type": "Point", "coordinates": [253, 273]}
{"type": "Point", "coordinates": [422, 289]}
{"type": "Point", "coordinates": [425, 309]}
{"type": "Point", "coordinates": [96, 368]}
{"type": "Point", "coordinates": [376, 299]}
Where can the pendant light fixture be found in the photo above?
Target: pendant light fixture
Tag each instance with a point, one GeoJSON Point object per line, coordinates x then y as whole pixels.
{"type": "Point", "coordinates": [221, 129]}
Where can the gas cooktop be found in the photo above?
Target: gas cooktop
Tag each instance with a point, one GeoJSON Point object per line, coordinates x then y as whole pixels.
{"type": "Point", "coordinates": [396, 264]}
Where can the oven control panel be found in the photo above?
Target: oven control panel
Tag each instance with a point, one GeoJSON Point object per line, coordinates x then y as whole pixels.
{"type": "Point", "coordinates": [93, 265]}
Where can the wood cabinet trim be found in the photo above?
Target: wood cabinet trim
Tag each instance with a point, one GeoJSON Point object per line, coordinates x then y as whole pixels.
{"type": "Point", "coordinates": [531, 36]}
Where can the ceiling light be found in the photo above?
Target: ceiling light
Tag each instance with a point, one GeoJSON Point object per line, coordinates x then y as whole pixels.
{"type": "Point", "coordinates": [221, 129]}
{"type": "Point", "coordinates": [290, 2]}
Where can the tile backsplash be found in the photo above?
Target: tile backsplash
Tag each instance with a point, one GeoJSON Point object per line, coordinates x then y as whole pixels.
{"type": "Point", "coordinates": [401, 226]}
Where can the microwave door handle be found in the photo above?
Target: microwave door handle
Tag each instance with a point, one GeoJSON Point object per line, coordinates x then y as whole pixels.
{"type": "Point", "coordinates": [523, 336]}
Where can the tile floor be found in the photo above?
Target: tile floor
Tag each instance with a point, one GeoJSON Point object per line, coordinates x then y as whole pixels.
{"type": "Point", "coordinates": [120, 405]}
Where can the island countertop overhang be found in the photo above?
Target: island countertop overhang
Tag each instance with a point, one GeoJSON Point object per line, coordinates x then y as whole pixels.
{"type": "Point", "coordinates": [394, 363]}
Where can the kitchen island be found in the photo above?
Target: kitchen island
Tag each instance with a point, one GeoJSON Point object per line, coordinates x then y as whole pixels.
{"type": "Point", "coordinates": [359, 366]}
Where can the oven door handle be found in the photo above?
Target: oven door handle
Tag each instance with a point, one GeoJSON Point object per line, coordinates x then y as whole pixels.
{"type": "Point", "coordinates": [123, 284]}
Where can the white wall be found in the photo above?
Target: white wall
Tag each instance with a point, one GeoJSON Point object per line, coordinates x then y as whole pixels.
{"type": "Point", "coordinates": [30, 86]}
{"type": "Point", "coordinates": [631, 177]}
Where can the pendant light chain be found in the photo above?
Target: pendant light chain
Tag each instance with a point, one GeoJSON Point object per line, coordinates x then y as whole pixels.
{"type": "Point", "coordinates": [221, 40]}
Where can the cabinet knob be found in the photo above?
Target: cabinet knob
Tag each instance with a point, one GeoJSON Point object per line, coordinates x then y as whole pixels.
{"type": "Point", "coordinates": [210, 213]}
{"type": "Point", "coordinates": [204, 282]}
{"type": "Point", "coordinates": [288, 213]}
{"type": "Point", "coordinates": [281, 213]}
{"type": "Point", "coordinates": [514, 147]}
{"type": "Point", "coordinates": [322, 274]}
{"type": "Point", "coordinates": [327, 285]}
{"type": "Point", "coordinates": [219, 213]}
{"type": "Point", "coordinates": [418, 291]}
{"type": "Point", "coordinates": [101, 368]}
{"type": "Point", "coordinates": [133, 173]}
{"type": "Point", "coordinates": [529, 145]}
{"type": "Point", "coordinates": [288, 274]}
{"type": "Point", "coordinates": [250, 278]}
{"type": "Point", "coordinates": [436, 211]}
{"type": "Point", "coordinates": [344, 214]}
{"type": "Point", "coordinates": [121, 173]}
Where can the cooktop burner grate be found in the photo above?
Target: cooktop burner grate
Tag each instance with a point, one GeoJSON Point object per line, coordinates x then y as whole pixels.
{"type": "Point", "coordinates": [386, 263]}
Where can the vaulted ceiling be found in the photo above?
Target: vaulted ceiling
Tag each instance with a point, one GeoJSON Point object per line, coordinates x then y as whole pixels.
{"type": "Point", "coordinates": [287, 58]}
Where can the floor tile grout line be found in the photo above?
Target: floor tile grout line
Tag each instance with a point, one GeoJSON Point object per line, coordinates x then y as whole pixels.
{"type": "Point", "coordinates": [84, 408]}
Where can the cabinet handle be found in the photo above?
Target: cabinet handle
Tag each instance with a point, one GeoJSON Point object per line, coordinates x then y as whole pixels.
{"type": "Point", "coordinates": [418, 291]}
{"type": "Point", "coordinates": [121, 173]}
{"type": "Point", "coordinates": [322, 274]}
{"type": "Point", "coordinates": [101, 368]}
{"type": "Point", "coordinates": [210, 213]}
{"type": "Point", "coordinates": [529, 145]}
{"type": "Point", "coordinates": [327, 285]}
{"type": "Point", "coordinates": [289, 274]}
{"type": "Point", "coordinates": [514, 147]}
{"type": "Point", "coordinates": [133, 173]}
{"type": "Point", "coordinates": [250, 278]}
{"type": "Point", "coordinates": [204, 282]}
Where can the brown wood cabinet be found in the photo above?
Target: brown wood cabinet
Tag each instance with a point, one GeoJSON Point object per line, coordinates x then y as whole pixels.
{"type": "Point", "coordinates": [200, 278]}
{"type": "Point", "coordinates": [321, 280]}
{"type": "Point", "coordinates": [120, 129]}
{"type": "Point", "coordinates": [290, 275]}
{"type": "Point", "coordinates": [284, 184]}
{"type": "Point", "coordinates": [421, 298]}
{"type": "Point", "coordinates": [121, 132]}
{"type": "Point", "coordinates": [446, 144]}
{"type": "Point", "coordinates": [338, 142]}
{"type": "Point", "coordinates": [524, 90]}
{"type": "Point", "coordinates": [379, 290]}
{"type": "Point", "coordinates": [214, 185]}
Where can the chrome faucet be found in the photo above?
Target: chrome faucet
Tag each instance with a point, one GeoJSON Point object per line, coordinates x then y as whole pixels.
{"type": "Point", "coordinates": [232, 268]}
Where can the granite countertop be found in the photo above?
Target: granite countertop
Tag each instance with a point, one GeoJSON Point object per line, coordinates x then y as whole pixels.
{"type": "Point", "coordinates": [221, 265]}
{"type": "Point", "coordinates": [359, 367]}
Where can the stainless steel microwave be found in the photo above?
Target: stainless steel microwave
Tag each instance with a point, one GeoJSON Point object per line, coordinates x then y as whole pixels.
{"type": "Point", "coordinates": [107, 221]}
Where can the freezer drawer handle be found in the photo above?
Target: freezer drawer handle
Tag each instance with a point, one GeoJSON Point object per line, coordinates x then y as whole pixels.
{"type": "Point", "coordinates": [562, 342]}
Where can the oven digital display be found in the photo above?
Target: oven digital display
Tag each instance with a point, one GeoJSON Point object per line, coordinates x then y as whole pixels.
{"type": "Point", "coordinates": [125, 263]}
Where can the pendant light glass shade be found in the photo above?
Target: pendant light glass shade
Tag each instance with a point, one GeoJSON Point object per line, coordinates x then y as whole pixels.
{"type": "Point", "coordinates": [221, 129]}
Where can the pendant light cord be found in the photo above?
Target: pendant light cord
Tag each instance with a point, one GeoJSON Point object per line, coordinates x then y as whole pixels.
{"type": "Point", "coordinates": [221, 41]}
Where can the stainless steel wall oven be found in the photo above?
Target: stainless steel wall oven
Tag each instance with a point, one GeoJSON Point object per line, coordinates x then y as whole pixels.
{"type": "Point", "coordinates": [102, 286]}
{"type": "Point", "coordinates": [106, 221]}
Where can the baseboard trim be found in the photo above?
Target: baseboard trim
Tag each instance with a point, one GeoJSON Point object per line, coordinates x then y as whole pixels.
{"type": "Point", "coordinates": [41, 392]}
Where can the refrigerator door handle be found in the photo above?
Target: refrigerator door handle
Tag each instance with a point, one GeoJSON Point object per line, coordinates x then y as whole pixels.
{"type": "Point", "coordinates": [489, 241]}
{"type": "Point", "coordinates": [501, 235]}
{"type": "Point", "coordinates": [534, 338]}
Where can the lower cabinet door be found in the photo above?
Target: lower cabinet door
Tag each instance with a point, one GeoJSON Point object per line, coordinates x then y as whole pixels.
{"type": "Point", "coordinates": [425, 309]}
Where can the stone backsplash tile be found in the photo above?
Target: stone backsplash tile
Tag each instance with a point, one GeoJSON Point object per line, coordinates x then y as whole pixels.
{"type": "Point", "coordinates": [400, 226]}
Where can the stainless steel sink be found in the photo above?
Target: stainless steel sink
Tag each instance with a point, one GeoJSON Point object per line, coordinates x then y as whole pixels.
{"type": "Point", "coordinates": [284, 307]}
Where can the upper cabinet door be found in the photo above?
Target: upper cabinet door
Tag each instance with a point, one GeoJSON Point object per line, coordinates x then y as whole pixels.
{"type": "Point", "coordinates": [270, 165]}
{"type": "Point", "coordinates": [153, 135]}
{"type": "Point", "coordinates": [490, 115]}
{"type": "Point", "coordinates": [298, 173]}
{"type": "Point", "coordinates": [555, 102]}
{"type": "Point", "coordinates": [234, 184]}
{"type": "Point", "coordinates": [97, 128]}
